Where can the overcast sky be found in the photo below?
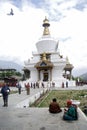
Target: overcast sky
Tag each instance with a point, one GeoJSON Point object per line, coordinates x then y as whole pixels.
{"type": "Point", "coordinates": [20, 32]}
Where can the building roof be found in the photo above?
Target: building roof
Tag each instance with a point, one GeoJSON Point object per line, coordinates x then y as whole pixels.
{"type": "Point", "coordinates": [68, 66]}
{"type": "Point", "coordinates": [11, 69]}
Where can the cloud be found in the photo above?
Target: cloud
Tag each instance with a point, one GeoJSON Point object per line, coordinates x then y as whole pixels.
{"type": "Point", "coordinates": [19, 33]}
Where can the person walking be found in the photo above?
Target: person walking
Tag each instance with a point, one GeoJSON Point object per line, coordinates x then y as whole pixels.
{"type": "Point", "coordinates": [5, 90]}
{"type": "Point", "coordinates": [27, 86]}
{"type": "Point", "coordinates": [19, 88]}
{"type": "Point", "coordinates": [66, 84]}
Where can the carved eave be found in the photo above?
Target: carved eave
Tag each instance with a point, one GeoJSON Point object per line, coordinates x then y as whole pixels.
{"type": "Point", "coordinates": [25, 69]}
{"type": "Point", "coordinates": [41, 65]}
{"type": "Point", "coordinates": [68, 67]}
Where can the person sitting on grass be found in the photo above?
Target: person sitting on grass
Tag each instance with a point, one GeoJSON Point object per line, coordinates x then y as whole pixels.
{"type": "Point", "coordinates": [54, 106]}
{"type": "Point", "coordinates": [70, 112]}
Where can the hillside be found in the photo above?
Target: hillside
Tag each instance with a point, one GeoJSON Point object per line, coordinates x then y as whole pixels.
{"type": "Point", "coordinates": [10, 64]}
{"type": "Point", "coordinates": [79, 71]}
{"type": "Point", "coordinates": [84, 76]}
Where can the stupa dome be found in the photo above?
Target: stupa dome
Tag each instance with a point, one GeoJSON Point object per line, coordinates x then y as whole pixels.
{"type": "Point", "coordinates": [46, 43]}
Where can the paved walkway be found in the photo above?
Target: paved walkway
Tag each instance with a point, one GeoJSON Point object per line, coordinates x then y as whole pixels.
{"type": "Point", "coordinates": [12, 118]}
{"type": "Point", "coordinates": [15, 99]}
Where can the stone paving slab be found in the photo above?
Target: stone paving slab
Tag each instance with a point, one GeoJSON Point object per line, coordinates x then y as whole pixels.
{"type": "Point", "coordinates": [12, 118]}
{"type": "Point", "coordinates": [37, 119]}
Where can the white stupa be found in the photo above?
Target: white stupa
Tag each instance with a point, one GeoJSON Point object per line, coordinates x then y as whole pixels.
{"type": "Point", "coordinates": [47, 65]}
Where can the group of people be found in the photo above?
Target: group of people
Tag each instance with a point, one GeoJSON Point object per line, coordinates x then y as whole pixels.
{"type": "Point", "coordinates": [70, 112]}
{"type": "Point", "coordinates": [65, 85]}
{"type": "Point", "coordinates": [5, 91]}
{"type": "Point", "coordinates": [27, 87]}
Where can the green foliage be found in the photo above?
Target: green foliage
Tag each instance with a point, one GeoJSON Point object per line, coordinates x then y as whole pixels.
{"type": "Point", "coordinates": [18, 73]}
{"type": "Point", "coordinates": [10, 73]}
{"type": "Point", "coordinates": [62, 96]}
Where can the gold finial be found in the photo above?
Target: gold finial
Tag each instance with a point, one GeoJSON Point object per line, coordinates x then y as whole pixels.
{"type": "Point", "coordinates": [44, 56]}
{"type": "Point", "coordinates": [45, 21]}
{"type": "Point", "coordinates": [46, 26]}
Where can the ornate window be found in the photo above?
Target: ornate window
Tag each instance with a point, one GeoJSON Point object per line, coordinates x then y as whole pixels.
{"type": "Point", "coordinates": [43, 64]}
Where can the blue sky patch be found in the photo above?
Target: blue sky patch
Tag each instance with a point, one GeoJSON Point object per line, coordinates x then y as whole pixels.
{"type": "Point", "coordinates": [81, 5]}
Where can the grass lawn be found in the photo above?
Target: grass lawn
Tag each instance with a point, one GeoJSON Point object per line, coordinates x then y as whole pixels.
{"type": "Point", "coordinates": [62, 96]}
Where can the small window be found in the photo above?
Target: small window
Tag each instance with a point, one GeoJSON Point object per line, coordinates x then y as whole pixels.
{"type": "Point", "coordinates": [43, 64]}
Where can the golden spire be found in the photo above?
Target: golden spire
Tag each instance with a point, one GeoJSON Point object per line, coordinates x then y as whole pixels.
{"type": "Point", "coordinates": [44, 57]}
{"type": "Point", "coordinates": [46, 26]}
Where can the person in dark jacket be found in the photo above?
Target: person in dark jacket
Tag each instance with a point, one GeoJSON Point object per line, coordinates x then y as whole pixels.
{"type": "Point", "coordinates": [5, 90]}
{"type": "Point", "coordinates": [19, 88]}
{"type": "Point", "coordinates": [54, 106]}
